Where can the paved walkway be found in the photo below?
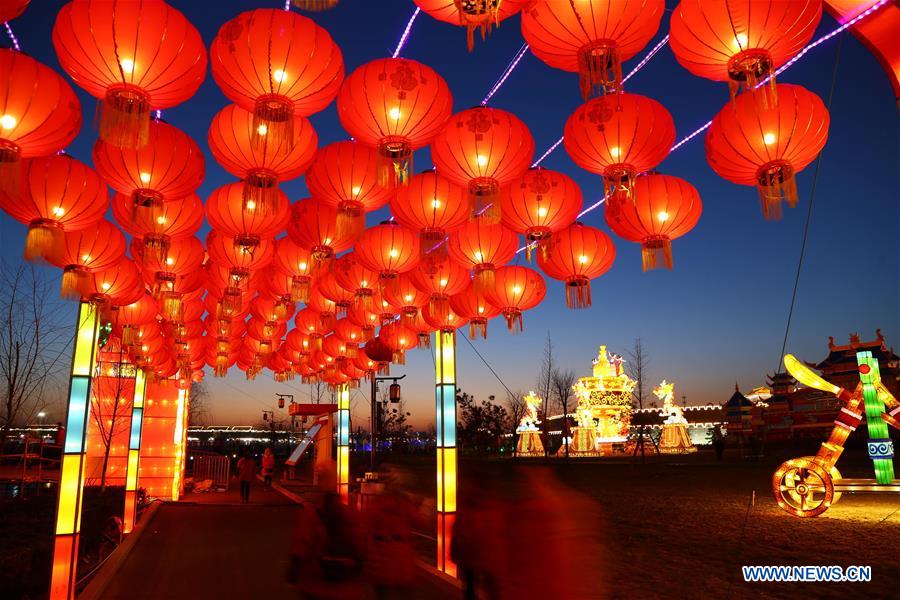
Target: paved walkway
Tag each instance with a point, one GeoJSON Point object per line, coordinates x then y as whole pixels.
{"type": "Point", "coordinates": [212, 546]}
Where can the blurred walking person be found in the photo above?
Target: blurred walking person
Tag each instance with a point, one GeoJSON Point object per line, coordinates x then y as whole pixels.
{"type": "Point", "coordinates": [268, 467]}
{"type": "Point", "coordinates": [246, 468]}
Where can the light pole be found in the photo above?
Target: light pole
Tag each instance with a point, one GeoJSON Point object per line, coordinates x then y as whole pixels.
{"type": "Point", "coordinates": [374, 417]}
{"type": "Point", "coordinates": [281, 398]}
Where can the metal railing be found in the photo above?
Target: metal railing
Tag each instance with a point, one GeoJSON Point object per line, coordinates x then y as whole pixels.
{"type": "Point", "coordinates": [212, 466]}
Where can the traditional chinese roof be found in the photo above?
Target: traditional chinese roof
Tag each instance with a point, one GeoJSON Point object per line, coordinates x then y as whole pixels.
{"type": "Point", "coordinates": [842, 359]}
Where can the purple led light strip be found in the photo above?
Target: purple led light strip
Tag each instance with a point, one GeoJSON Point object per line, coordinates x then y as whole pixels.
{"type": "Point", "coordinates": [405, 36]}
{"type": "Point", "coordinates": [12, 36]}
{"type": "Point", "coordinates": [509, 69]}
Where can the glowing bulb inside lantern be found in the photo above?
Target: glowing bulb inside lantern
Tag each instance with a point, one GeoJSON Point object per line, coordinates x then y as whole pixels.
{"type": "Point", "coordinates": [482, 160]}
{"type": "Point", "coordinates": [170, 261]}
{"type": "Point", "coordinates": [105, 286]}
{"type": "Point", "coordinates": [58, 211]}
{"type": "Point", "coordinates": [161, 220]}
{"type": "Point", "coordinates": [583, 259]}
{"type": "Point", "coordinates": [435, 203]}
{"type": "Point", "coordinates": [740, 41]}
{"type": "Point", "coordinates": [394, 253]}
{"type": "Point", "coordinates": [662, 216]}
{"type": "Point", "coordinates": [408, 298]}
{"type": "Point", "coordinates": [8, 121]}
{"type": "Point", "coordinates": [279, 75]}
{"type": "Point", "coordinates": [480, 310]}
{"type": "Point", "coordinates": [542, 211]}
{"type": "Point", "coordinates": [251, 205]}
{"type": "Point", "coordinates": [443, 282]}
{"type": "Point", "coordinates": [326, 241]}
{"type": "Point", "coordinates": [145, 177]}
{"type": "Point", "coordinates": [769, 138]}
{"type": "Point", "coordinates": [363, 283]}
{"type": "Point", "coordinates": [517, 289]}
{"type": "Point", "coordinates": [355, 190]}
{"type": "Point", "coordinates": [302, 266]}
{"type": "Point", "coordinates": [262, 129]}
{"type": "Point", "coordinates": [394, 113]}
{"type": "Point", "coordinates": [127, 65]}
{"type": "Point", "coordinates": [479, 256]}
{"type": "Point", "coordinates": [615, 152]}
{"type": "Point", "coordinates": [85, 257]}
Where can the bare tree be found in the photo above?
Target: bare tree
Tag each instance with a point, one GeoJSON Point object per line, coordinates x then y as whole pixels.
{"type": "Point", "coordinates": [198, 407]}
{"type": "Point", "coordinates": [636, 367]}
{"type": "Point", "coordinates": [562, 394]}
{"type": "Point", "coordinates": [34, 343]}
{"type": "Point", "coordinates": [111, 393]}
{"type": "Point", "coordinates": [545, 387]}
{"type": "Point", "coordinates": [317, 390]}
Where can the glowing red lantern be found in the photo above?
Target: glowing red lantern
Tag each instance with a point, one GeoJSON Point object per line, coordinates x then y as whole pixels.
{"type": "Point", "coordinates": [328, 286]}
{"type": "Point", "coordinates": [767, 147]}
{"type": "Point", "coordinates": [742, 42]}
{"type": "Point", "coordinates": [581, 253]}
{"type": "Point", "coordinates": [169, 167]}
{"type": "Point", "coordinates": [516, 289]}
{"type": "Point", "coordinates": [230, 215]}
{"type": "Point", "coordinates": [351, 334]}
{"type": "Point", "coordinates": [434, 206]}
{"type": "Point", "coordinates": [664, 208]}
{"type": "Point", "coordinates": [472, 14]}
{"type": "Point", "coordinates": [352, 276]}
{"type": "Point", "coordinates": [446, 279]}
{"type": "Point", "coordinates": [482, 248]}
{"type": "Point", "coordinates": [397, 106]}
{"type": "Point", "coordinates": [312, 324]}
{"type": "Point", "coordinates": [399, 339]}
{"type": "Point", "coordinates": [474, 307]}
{"type": "Point", "coordinates": [134, 56]}
{"type": "Point", "coordinates": [128, 319]}
{"type": "Point", "coordinates": [176, 219]}
{"type": "Point", "coordinates": [592, 37]}
{"type": "Point", "coordinates": [39, 115]}
{"type": "Point", "coordinates": [118, 285]}
{"type": "Point", "coordinates": [59, 194]}
{"type": "Point", "coordinates": [10, 9]}
{"type": "Point", "coordinates": [260, 165]}
{"type": "Point", "coordinates": [183, 255]}
{"type": "Point", "coordinates": [442, 317]}
{"type": "Point", "coordinates": [313, 225]}
{"type": "Point", "coordinates": [295, 261]}
{"type": "Point", "coordinates": [91, 249]}
{"type": "Point", "coordinates": [388, 248]}
{"type": "Point", "coordinates": [539, 204]}
{"type": "Point", "coordinates": [619, 136]}
{"type": "Point", "coordinates": [345, 175]}
{"type": "Point", "coordinates": [277, 64]}
{"type": "Point", "coordinates": [483, 149]}
{"type": "Point", "coordinates": [401, 293]}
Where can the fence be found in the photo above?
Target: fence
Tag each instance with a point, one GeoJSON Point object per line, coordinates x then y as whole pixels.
{"type": "Point", "coordinates": [212, 466]}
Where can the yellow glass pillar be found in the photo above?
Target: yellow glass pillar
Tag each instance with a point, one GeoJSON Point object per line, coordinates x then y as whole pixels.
{"type": "Point", "coordinates": [343, 442]}
{"type": "Point", "coordinates": [71, 477]}
{"type": "Point", "coordinates": [445, 402]}
{"type": "Point", "coordinates": [134, 449]}
{"type": "Point", "coordinates": [180, 441]}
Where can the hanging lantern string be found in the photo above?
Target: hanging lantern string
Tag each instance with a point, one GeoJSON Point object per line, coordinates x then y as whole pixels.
{"type": "Point", "coordinates": [12, 36]}
{"type": "Point", "coordinates": [509, 69]}
{"type": "Point", "coordinates": [406, 31]}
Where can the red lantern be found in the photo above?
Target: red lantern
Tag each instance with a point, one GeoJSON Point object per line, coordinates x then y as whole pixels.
{"type": "Point", "coordinates": [516, 289]}
{"type": "Point", "coordinates": [483, 248]}
{"type": "Point", "coordinates": [767, 147]}
{"type": "Point", "coordinates": [592, 37]}
{"type": "Point", "coordinates": [134, 56]}
{"type": "Point", "coordinates": [177, 219]}
{"type": "Point", "coordinates": [10, 9]}
{"type": "Point", "coordinates": [39, 115]}
{"type": "Point", "coordinates": [118, 285]}
{"type": "Point", "coordinates": [183, 255]}
{"type": "Point", "coordinates": [91, 249]}
{"type": "Point", "coordinates": [742, 42]}
{"type": "Point", "coordinates": [351, 334]}
{"type": "Point", "coordinates": [399, 339]}
{"type": "Point", "coordinates": [295, 261]}
{"type": "Point", "coordinates": [241, 255]}
{"type": "Point", "coordinates": [442, 317]}
{"type": "Point", "coordinates": [405, 296]}
{"type": "Point", "coordinates": [352, 276]}
{"type": "Point", "coordinates": [581, 253]}
{"type": "Point", "coordinates": [326, 308]}
{"type": "Point", "coordinates": [169, 166]}
{"type": "Point", "coordinates": [473, 306]}
{"type": "Point", "coordinates": [278, 65]}
{"type": "Point", "coordinates": [129, 318]}
{"type": "Point", "coordinates": [472, 14]}
{"type": "Point", "coordinates": [328, 286]}
{"type": "Point", "coordinates": [171, 289]}
{"type": "Point", "coordinates": [397, 106]}
{"type": "Point", "coordinates": [619, 136]}
{"type": "Point", "coordinates": [313, 225]}
{"type": "Point", "coordinates": [483, 149]}
{"type": "Point", "coordinates": [229, 214]}
{"type": "Point", "coordinates": [447, 279]}
{"type": "Point", "coordinates": [59, 194]}
{"type": "Point", "coordinates": [539, 204]}
{"type": "Point", "coordinates": [664, 208]}
{"type": "Point", "coordinates": [434, 206]}
{"type": "Point", "coordinates": [312, 324]}
{"type": "Point", "coordinates": [345, 175]}
{"type": "Point", "coordinates": [260, 165]}
{"type": "Point", "coordinates": [389, 249]}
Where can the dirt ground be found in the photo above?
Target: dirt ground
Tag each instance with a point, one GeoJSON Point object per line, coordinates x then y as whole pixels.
{"type": "Point", "coordinates": [682, 526]}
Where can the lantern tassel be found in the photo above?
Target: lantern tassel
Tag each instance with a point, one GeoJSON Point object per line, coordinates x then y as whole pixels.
{"type": "Point", "coordinates": [273, 122]}
{"type": "Point", "coordinates": [599, 69]}
{"type": "Point", "coordinates": [315, 5]}
{"type": "Point", "coordinates": [618, 184]}
{"type": "Point", "coordinates": [513, 320]}
{"type": "Point", "coordinates": [423, 341]}
{"type": "Point", "coordinates": [10, 169]}
{"type": "Point", "coordinates": [44, 240]}
{"type": "Point", "coordinates": [478, 329]}
{"type": "Point", "coordinates": [776, 184]}
{"type": "Point", "coordinates": [300, 288]}
{"type": "Point", "coordinates": [394, 162]}
{"type": "Point", "coordinates": [484, 200]}
{"type": "Point", "coordinates": [73, 279]}
{"type": "Point", "coordinates": [351, 220]}
{"type": "Point", "coordinates": [752, 71]}
{"type": "Point", "coordinates": [656, 253]}
{"type": "Point", "coordinates": [129, 333]}
{"type": "Point", "coordinates": [578, 292]}
{"type": "Point", "coordinates": [172, 306]}
{"type": "Point", "coordinates": [124, 119]}
{"type": "Point", "coordinates": [432, 249]}
{"type": "Point", "coordinates": [260, 192]}
{"type": "Point", "coordinates": [408, 316]}
{"type": "Point", "coordinates": [483, 278]}
{"type": "Point", "coordinates": [158, 246]}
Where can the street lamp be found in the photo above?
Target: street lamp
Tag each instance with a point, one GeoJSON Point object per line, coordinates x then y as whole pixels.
{"type": "Point", "coordinates": [393, 396]}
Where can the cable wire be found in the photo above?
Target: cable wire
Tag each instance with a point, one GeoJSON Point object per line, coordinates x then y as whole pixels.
{"type": "Point", "coordinates": [490, 368]}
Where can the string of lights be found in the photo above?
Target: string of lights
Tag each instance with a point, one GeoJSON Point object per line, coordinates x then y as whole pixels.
{"type": "Point", "coordinates": [506, 73]}
{"type": "Point", "coordinates": [12, 36]}
{"type": "Point", "coordinates": [406, 31]}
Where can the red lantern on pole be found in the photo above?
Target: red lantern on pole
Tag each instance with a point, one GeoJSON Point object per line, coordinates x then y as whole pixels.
{"type": "Point", "coordinates": [475, 308]}
{"type": "Point", "coordinates": [261, 166]}
{"type": "Point", "coordinates": [133, 56]}
{"type": "Point", "coordinates": [472, 14]}
{"type": "Point", "coordinates": [39, 115]}
{"type": "Point", "coordinates": [483, 149]}
{"type": "Point", "coordinates": [592, 37]}
{"type": "Point", "coordinates": [516, 289]}
{"type": "Point", "coordinates": [59, 194]}
{"type": "Point", "coordinates": [483, 248]}
{"type": "Point", "coordinates": [389, 249]}
{"type": "Point", "coordinates": [767, 147]}
{"type": "Point", "coordinates": [742, 42]}
{"type": "Point", "coordinates": [278, 65]}
{"type": "Point", "coordinates": [664, 208]}
{"type": "Point", "coordinates": [581, 253]}
{"type": "Point", "coordinates": [619, 136]}
{"type": "Point", "coordinates": [539, 204]}
{"type": "Point", "coordinates": [396, 106]}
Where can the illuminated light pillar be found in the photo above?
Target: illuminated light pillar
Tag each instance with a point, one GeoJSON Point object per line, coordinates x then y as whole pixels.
{"type": "Point", "coordinates": [134, 449]}
{"type": "Point", "coordinates": [343, 442]}
{"type": "Point", "coordinates": [180, 441]}
{"type": "Point", "coordinates": [445, 428]}
{"type": "Point", "coordinates": [71, 476]}
{"type": "Point", "coordinates": [881, 449]}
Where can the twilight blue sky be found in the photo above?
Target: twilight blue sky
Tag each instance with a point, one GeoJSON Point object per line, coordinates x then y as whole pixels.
{"type": "Point", "coordinates": [718, 317]}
